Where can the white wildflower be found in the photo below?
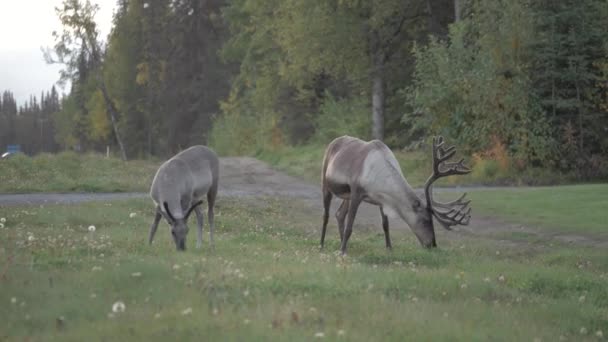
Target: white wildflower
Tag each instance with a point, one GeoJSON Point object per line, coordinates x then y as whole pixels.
{"type": "Point", "coordinates": [246, 321]}
{"type": "Point", "coordinates": [146, 5]}
{"type": "Point", "coordinates": [246, 293]}
{"type": "Point", "coordinates": [215, 311]}
{"type": "Point", "coordinates": [157, 315]}
{"type": "Point", "coordinates": [583, 331]}
{"type": "Point", "coordinates": [599, 334]}
{"type": "Point", "coordinates": [186, 311]}
{"type": "Point", "coordinates": [341, 332]}
{"type": "Point", "coordinates": [501, 278]}
{"type": "Point", "coordinates": [2, 220]}
{"type": "Point", "coordinates": [136, 274]}
{"type": "Point", "coordinates": [1, 225]}
{"type": "Point", "coordinates": [176, 267]}
{"type": "Point", "coordinates": [320, 335]}
{"type": "Point", "coordinates": [31, 237]}
{"type": "Point", "coordinates": [132, 215]}
{"type": "Point", "coordinates": [486, 279]}
{"type": "Point", "coordinates": [581, 299]}
{"type": "Point", "coordinates": [96, 268]}
{"type": "Point", "coordinates": [14, 300]}
{"type": "Point", "coordinates": [118, 307]}
{"type": "Point", "coordinates": [92, 228]}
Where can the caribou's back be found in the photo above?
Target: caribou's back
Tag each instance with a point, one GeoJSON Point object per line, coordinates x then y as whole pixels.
{"type": "Point", "coordinates": [348, 160]}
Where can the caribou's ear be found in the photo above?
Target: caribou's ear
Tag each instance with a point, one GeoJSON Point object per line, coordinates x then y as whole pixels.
{"type": "Point", "coordinates": [192, 208]}
{"type": "Point", "coordinates": [170, 218]}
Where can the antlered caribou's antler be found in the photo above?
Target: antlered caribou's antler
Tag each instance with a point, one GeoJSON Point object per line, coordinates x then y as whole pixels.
{"type": "Point", "coordinates": [454, 212]}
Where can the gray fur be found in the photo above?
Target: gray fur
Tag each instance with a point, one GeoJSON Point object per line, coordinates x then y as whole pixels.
{"type": "Point", "coordinates": [357, 171]}
{"type": "Point", "coordinates": [179, 186]}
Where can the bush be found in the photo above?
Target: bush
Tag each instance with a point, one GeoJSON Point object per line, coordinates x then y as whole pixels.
{"type": "Point", "coordinates": [338, 117]}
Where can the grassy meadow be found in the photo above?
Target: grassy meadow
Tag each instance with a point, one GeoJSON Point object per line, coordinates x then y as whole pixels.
{"type": "Point", "coordinates": [568, 209]}
{"type": "Point", "coordinates": [72, 172]}
{"type": "Point", "coordinates": [267, 279]}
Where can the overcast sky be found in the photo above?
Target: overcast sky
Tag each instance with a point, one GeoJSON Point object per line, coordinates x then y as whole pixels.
{"type": "Point", "coordinates": [25, 27]}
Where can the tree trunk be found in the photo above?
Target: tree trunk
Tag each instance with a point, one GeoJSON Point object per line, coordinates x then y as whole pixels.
{"type": "Point", "coordinates": [113, 114]}
{"type": "Point", "coordinates": [457, 4]}
{"type": "Point", "coordinates": [378, 105]}
{"type": "Point", "coordinates": [110, 107]}
{"type": "Point", "coordinates": [580, 118]}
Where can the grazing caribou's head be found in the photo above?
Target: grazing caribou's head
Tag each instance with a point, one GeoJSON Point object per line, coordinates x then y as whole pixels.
{"type": "Point", "coordinates": [179, 226]}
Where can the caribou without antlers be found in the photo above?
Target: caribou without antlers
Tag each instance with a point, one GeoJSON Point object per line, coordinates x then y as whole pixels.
{"type": "Point", "coordinates": [357, 171]}
{"type": "Point", "coordinates": [179, 187]}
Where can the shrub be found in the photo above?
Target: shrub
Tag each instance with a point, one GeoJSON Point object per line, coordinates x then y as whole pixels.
{"type": "Point", "coordinates": [338, 117]}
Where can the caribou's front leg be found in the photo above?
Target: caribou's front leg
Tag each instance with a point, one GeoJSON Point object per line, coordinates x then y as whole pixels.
{"type": "Point", "coordinates": [385, 228]}
{"type": "Point", "coordinates": [355, 200]}
{"type": "Point", "coordinates": [200, 221]}
{"type": "Point", "coordinates": [154, 226]}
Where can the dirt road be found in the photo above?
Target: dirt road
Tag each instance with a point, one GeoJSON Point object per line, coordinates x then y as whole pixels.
{"type": "Point", "coordinates": [245, 177]}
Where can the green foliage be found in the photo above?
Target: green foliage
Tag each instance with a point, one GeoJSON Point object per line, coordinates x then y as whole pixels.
{"type": "Point", "coordinates": [267, 280]}
{"type": "Point", "coordinates": [476, 87]}
{"type": "Point", "coordinates": [291, 60]}
{"type": "Point", "coordinates": [519, 72]}
{"type": "Point", "coordinates": [338, 117]}
{"type": "Point", "coordinates": [569, 53]}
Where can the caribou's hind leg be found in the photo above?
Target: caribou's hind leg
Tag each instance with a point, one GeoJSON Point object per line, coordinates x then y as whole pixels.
{"type": "Point", "coordinates": [341, 216]}
{"type": "Point", "coordinates": [355, 200]}
{"type": "Point", "coordinates": [200, 222]}
{"type": "Point", "coordinates": [326, 204]}
{"type": "Point", "coordinates": [210, 214]}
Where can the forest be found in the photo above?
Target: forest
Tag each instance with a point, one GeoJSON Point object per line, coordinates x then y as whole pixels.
{"type": "Point", "coordinates": [521, 81]}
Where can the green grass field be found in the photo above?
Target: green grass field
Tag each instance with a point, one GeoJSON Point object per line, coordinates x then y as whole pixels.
{"type": "Point", "coordinates": [561, 208]}
{"type": "Point", "coordinates": [71, 172]}
{"type": "Point", "coordinates": [267, 280]}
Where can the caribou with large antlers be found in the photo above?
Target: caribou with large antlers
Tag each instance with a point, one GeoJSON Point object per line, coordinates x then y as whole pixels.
{"type": "Point", "coordinates": [357, 171]}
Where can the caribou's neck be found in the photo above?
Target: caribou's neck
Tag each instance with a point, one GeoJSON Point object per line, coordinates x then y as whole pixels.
{"type": "Point", "coordinates": [397, 196]}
